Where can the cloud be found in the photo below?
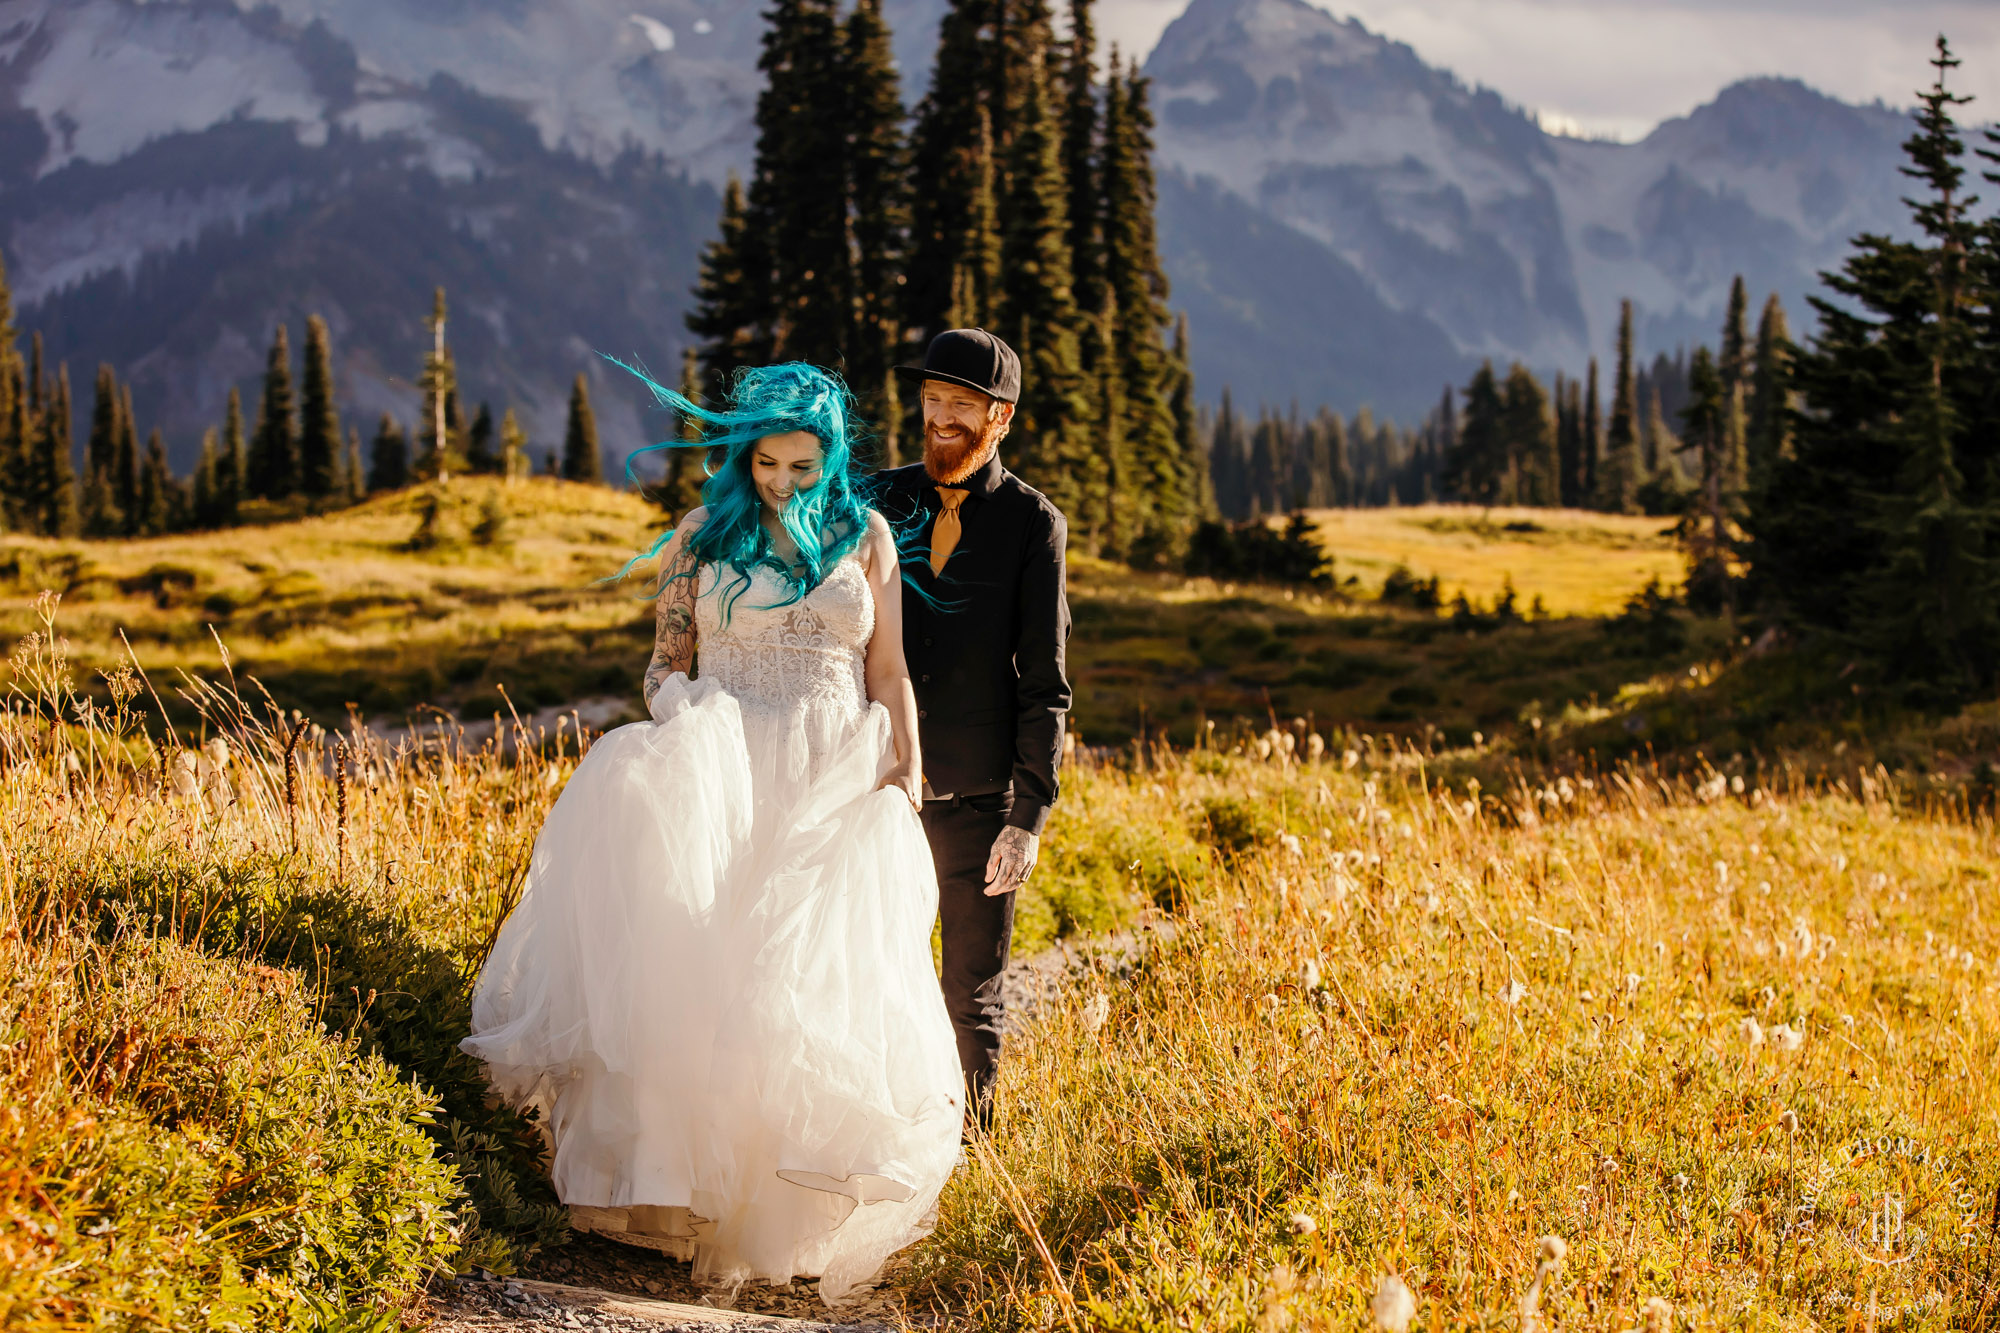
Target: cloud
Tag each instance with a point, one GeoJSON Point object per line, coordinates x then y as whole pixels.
{"type": "Point", "coordinates": [1619, 67]}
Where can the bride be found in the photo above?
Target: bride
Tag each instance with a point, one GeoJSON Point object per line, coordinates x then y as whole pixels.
{"type": "Point", "coordinates": [717, 989]}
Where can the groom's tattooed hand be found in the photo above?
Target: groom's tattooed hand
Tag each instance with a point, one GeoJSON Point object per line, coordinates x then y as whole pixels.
{"type": "Point", "coordinates": [673, 622]}
{"type": "Point", "coordinates": [1013, 860]}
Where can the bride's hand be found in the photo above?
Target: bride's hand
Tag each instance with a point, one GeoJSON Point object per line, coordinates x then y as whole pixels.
{"type": "Point", "coordinates": [906, 779]}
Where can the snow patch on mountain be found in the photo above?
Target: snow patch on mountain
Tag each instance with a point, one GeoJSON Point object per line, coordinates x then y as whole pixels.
{"type": "Point", "coordinates": [58, 250]}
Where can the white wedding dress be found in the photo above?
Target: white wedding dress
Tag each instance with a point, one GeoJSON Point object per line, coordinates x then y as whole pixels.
{"type": "Point", "coordinates": [717, 988]}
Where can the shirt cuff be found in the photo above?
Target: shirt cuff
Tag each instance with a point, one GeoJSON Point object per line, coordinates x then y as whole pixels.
{"type": "Point", "coordinates": [1030, 815]}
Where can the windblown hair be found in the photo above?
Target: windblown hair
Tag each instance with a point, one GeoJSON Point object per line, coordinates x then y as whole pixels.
{"type": "Point", "coordinates": [826, 522]}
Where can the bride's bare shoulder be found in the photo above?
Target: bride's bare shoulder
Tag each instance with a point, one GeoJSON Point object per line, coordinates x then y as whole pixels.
{"type": "Point", "coordinates": [877, 543]}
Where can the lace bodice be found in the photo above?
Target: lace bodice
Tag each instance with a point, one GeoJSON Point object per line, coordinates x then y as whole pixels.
{"type": "Point", "coordinates": [805, 655]}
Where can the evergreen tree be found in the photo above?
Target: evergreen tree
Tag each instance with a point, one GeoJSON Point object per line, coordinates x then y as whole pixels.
{"type": "Point", "coordinates": [319, 422]}
{"type": "Point", "coordinates": [1769, 433]}
{"type": "Point", "coordinates": [1138, 285]}
{"type": "Point", "coordinates": [1187, 428]}
{"type": "Point", "coordinates": [1618, 476]}
{"type": "Point", "coordinates": [878, 193]}
{"type": "Point", "coordinates": [1928, 611]}
{"type": "Point", "coordinates": [1038, 315]}
{"type": "Point", "coordinates": [156, 489]}
{"type": "Point", "coordinates": [1534, 472]}
{"type": "Point", "coordinates": [1079, 153]}
{"type": "Point", "coordinates": [732, 314]}
{"type": "Point", "coordinates": [13, 454]}
{"type": "Point", "coordinates": [102, 515]}
{"type": "Point", "coordinates": [55, 472]}
{"type": "Point", "coordinates": [353, 473]}
{"type": "Point", "coordinates": [579, 457]}
{"type": "Point", "coordinates": [514, 443]}
{"type": "Point", "coordinates": [388, 457]}
{"type": "Point", "coordinates": [441, 432]}
{"type": "Point", "coordinates": [125, 462]}
{"type": "Point", "coordinates": [1705, 533]}
{"type": "Point", "coordinates": [1476, 470]}
{"type": "Point", "coordinates": [203, 485]}
{"type": "Point", "coordinates": [1226, 462]}
{"type": "Point", "coordinates": [951, 159]}
{"type": "Point", "coordinates": [232, 470]}
{"type": "Point", "coordinates": [1593, 438]}
{"type": "Point", "coordinates": [680, 489]}
{"type": "Point", "coordinates": [274, 447]}
{"type": "Point", "coordinates": [1734, 368]}
{"type": "Point", "coordinates": [480, 454]}
{"type": "Point", "coordinates": [798, 190]}
{"type": "Point", "coordinates": [21, 511]}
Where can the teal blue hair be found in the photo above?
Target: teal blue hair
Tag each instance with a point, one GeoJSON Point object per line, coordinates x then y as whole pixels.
{"type": "Point", "coordinates": [826, 522]}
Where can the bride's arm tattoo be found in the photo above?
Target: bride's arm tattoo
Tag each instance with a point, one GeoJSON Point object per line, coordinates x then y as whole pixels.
{"type": "Point", "coordinates": [673, 622]}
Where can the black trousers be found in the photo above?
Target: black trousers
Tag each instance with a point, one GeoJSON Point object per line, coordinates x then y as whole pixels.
{"type": "Point", "coordinates": [976, 931]}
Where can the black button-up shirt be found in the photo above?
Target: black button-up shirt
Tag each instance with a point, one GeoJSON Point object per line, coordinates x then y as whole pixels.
{"type": "Point", "coordinates": [986, 656]}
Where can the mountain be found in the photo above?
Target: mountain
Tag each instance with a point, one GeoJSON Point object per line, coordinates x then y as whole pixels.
{"type": "Point", "coordinates": [1409, 226]}
{"type": "Point", "coordinates": [1343, 223]}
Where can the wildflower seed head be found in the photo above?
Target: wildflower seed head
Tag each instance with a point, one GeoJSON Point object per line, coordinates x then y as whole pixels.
{"type": "Point", "coordinates": [1515, 993]}
{"type": "Point", "coordinates": [1095, 1010]}
{"type": "Point", "coordinates": [1656, 1315]}
{"type": "Point", "coordinates": [1680, 1181]}
{"type": "Point", "coordinates": [1392, 1307]}
{"type": "Point", "coordinates": [1553, 1250]}
{"type": "Point", "coordinates": [1309, 974]}
{"type": "Point", "coordinates": [1788, 1121]}
{"type": "Point", "coordinates": [1752, 1030]}
{"type": "Point", "coordinates": [1785, 1037]}
{"type": "Point", "coordinates": [1303, 1225]}
{"type": "Point", "coordinates": [1291, 844]}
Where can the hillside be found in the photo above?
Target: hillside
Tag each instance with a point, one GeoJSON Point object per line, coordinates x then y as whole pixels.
{"type": "Point", "coordinates": [340, 610]}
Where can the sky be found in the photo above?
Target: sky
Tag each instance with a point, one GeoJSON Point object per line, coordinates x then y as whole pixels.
{"type": "Point", "coordinates": [1616, 68]}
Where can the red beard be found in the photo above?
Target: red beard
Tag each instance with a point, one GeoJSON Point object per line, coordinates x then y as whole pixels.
{"type": "Point", "coordinates": [949, 464]}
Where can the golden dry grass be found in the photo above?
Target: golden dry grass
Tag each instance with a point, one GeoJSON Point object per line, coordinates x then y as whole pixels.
{"type": "Point", "coordinates": [1578, 562]}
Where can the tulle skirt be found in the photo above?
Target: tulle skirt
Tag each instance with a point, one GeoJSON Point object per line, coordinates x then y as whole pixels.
{"type": "Point", "coordinates": [717, 991]}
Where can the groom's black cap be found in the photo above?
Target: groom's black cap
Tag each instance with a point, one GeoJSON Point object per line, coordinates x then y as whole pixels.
{"type": "Point", "coordinates": [972, 357]}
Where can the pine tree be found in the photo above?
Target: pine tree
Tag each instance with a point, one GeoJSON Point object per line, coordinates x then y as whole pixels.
{"type": "Point", "coordinates": [274, 449]}
{"type": "Point", "coordinates": [319, 422]}
{"type": "Point", "coordinates": [680, 489]}
{"type": "Point", "coordinates": [441, 433]}
{"type": "Point", "coordinates": [1706, 532]}
{"type": "Point", "coordinates": [878, 193]}
{"type": "Point", "coordinates": [232, 471]}
{"type": "Point", "coordinates": [203, 485]}
{"type": "Point", "coordinates": [1476, 470]}
{"type": "Point", "coordinates": [13, 453]}
{"type": "Point", "coordinates": [480, 457]}
{"type": "Point", "coordinates": [1734, 368]}
{"type": "Point", "coordinates": [798, 190]}
{"type": "Point", "coordinates": [1080, 160]}
{"type": "Point", "coordinates": [102, 515]}
{"type": "Point", "coordinates": [1187, 429]}
{"type": "Point", "coordinates": [1038, 315]}
{"type": "Point", "coordinates": [156, 489]}
{"type": "Point", "coordinates": [388, 457]}
{"type": "Point", "coordinates": [579, 457]}
{"type": "Point", "coordinates": [1768, 437]}
{"type": "Point", "coordinates": [514, 444]}
{"type": "Point", "coordinates": [1226, 462]}
{"type": "Point", "coordinates": [733, 314]}
{"type": "Point", "coordinates": [1618, 476]}
{"type": "Point", "coordinates": [1138, 285]}
{"type": "Point", "coordinates": [55, 471]}
{"type": "Point", "coordinates": [353, 473]}
{"type": "Point", "coordinates": [951, 158]}
{"type": "Point", "coordinates": [1928, 610]}
{"type": "Point", "coordinates": [125, 463]}
{"type": "Point", "coordinates": [1593, 438]}
{"type": "Point", "coordinates": [1526, 424]}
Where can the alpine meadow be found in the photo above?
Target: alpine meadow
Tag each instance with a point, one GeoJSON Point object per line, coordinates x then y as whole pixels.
{"type": "Point", "coordinates": [1520, 866]}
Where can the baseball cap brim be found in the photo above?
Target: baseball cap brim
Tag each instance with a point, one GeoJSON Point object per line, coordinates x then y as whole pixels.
{"type": "Point", "coordinates": [916, 373]}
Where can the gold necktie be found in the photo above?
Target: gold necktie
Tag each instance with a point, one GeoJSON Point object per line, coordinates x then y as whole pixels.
{"type": "Point", "coordinates": [944, 533]}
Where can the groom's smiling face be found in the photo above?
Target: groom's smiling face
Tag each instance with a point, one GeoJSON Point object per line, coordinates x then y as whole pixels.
{"type": "Point", "coordinates": [962, 428]}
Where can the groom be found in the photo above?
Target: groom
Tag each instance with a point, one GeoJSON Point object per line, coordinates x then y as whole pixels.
{"type": "Point", "coordinates": [984, 634]}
